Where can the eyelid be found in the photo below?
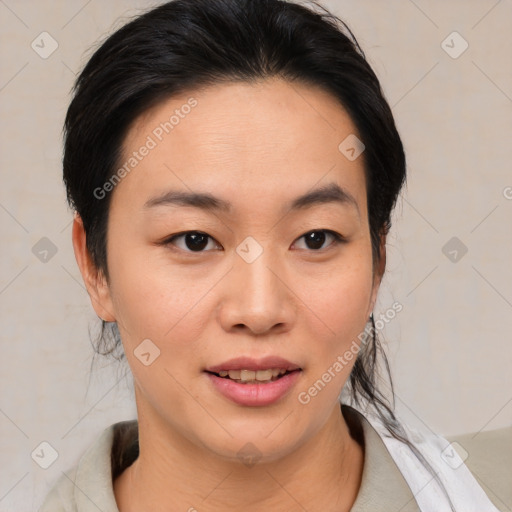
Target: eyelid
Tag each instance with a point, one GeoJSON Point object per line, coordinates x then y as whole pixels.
{"type": "Point", "coordinates": [338, 239]}
{"type": "Point", "coordinates": [168, 241]}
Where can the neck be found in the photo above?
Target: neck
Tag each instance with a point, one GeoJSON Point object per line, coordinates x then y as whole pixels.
{"type": "Point", "coordinates": [324, 474]}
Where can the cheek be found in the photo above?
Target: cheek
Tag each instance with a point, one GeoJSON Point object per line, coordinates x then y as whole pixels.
{"type": "Point", "coordinates": [342, 300]}
{"type": "Point", "coordinates": [156, 300]}
{"type": "Point", "coordinates": [152, 301]}
{"type": "Point", "coordinates": [339, 315]}
{"type": "Point", "coordinates": [337, 321]}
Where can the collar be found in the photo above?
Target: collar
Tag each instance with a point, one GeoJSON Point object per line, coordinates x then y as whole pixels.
{"type": "Point", "coordinates": [382, 488]}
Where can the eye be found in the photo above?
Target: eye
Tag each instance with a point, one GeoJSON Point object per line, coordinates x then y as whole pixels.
{"type": "Point", "coordinates": [197, 241]}
{"type": "Point", "coordinates": [192, 241]}
{"type": "Point", "coordinates": [315, 239]}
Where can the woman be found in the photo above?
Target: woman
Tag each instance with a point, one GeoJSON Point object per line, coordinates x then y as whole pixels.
{"type": "Point", "coordinates": [233, 166]}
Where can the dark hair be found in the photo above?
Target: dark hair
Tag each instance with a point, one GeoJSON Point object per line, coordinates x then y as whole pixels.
{"type": "Point", "coordinates": [185, 45]}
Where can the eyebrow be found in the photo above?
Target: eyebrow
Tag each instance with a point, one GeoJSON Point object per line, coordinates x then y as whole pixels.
{"type": "Point", "coordinates": [331, 193]}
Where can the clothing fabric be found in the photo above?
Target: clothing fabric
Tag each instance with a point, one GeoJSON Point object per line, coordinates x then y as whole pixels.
{"type": "Point", "coordinates": [462, 490]}
{"type": "Point", "coordinates": [392, 479]}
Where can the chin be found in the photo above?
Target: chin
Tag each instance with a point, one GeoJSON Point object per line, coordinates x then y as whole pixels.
{"type": "Point", "coordinates": [249, 451]}
{"type": "Point", "coordinates": [252, 442]}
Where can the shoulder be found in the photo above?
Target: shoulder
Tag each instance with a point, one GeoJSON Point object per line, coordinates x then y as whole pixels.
{"type": "Point", "coordinates": [88, 485]}
{"type": "Point", "coordinates": [488, 456]}
{"type": "Point", "coordinates": [473, 469]}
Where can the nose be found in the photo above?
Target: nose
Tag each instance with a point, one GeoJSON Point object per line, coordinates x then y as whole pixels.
{"type": "Point", "coordinates": [257, 297]}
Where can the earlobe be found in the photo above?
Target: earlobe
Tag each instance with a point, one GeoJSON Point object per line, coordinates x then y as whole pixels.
{"type": "Point", "coordinates": [94, 280]}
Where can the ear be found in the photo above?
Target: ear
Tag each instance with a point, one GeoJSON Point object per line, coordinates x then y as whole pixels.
{"type": "Point", "coordinates": [95, 281]}
{"type": "Point", "coordinates": [378, 272]}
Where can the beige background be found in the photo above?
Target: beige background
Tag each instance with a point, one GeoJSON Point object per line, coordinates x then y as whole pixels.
{"type": "Point", "coordinates": [450, 347]}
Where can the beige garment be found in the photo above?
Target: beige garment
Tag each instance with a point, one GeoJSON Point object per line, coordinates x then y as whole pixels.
{"type": "Point", "coordinates": [88, 486]}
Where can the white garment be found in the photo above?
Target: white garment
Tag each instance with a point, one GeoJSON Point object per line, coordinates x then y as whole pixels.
{"type": "Point", "coordinates": [462, 488]}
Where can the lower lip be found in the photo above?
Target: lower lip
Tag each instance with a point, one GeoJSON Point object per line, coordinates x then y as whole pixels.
{"type": "Point", "coordinates": [254, 395]}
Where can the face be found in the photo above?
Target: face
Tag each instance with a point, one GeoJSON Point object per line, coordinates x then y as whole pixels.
{"type": "Point", "coordinates": [269, 269]}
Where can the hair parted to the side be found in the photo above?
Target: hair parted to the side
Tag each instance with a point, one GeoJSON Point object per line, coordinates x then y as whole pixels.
{"type": "Point", "coordinates": [184, 45]}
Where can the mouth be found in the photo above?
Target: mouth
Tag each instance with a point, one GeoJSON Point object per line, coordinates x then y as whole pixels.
{"type": "Point", "coordinates": [254, 382]}
{"type": "Point", "coordinates": [253, 376]}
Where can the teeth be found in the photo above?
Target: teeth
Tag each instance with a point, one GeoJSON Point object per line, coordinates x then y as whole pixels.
{"type": "Point", "coordinates": [251, 376]}
{"type": "Point", "coordinates": [263, 375]}
{"type": "Point", "coordinates": [246, 375]}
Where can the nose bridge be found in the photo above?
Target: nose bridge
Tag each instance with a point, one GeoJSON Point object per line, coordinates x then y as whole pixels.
{"type": "Point", "coordinates": [257, 295]}
{"type": "Point", "coordinates": [256, 267]}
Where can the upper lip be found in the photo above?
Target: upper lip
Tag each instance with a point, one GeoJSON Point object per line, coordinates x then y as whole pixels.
{"type": "Point", "coordinates": [248, 363]}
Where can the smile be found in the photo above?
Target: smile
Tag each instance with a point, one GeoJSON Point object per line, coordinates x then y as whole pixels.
{"type": "Point", "coordinates": [251, 376]}
{"type": "Point", "coordinates": [244, 387]}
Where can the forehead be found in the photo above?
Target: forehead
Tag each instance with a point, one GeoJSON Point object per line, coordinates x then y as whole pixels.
{"type": "Point", "coordinates": [265, 139]}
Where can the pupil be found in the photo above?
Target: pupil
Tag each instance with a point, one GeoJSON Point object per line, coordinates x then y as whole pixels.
{"type": "Point", "coordinates": [196, 241]}
{"type": "Point", "coordinates": [315, 239]}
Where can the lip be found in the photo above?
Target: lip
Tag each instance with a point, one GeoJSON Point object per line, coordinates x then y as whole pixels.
{"type": "Point", "coordinates": [248, 363]}
{"type": "Point", "coordinates": [258, 394]}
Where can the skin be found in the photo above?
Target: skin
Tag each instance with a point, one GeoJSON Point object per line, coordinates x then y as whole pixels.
{"type": "Point", "coordinates": [258, 146]}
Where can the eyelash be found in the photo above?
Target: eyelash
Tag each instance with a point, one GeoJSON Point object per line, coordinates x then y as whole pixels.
{"type": "Point", "coordinates": [338, 239]}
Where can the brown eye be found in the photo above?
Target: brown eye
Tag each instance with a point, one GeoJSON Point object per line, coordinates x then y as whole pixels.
{"type": "Point", "coordinates": [316, 239]}
{"type": "Point", "coordinates": [192, 241]}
